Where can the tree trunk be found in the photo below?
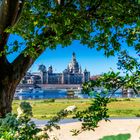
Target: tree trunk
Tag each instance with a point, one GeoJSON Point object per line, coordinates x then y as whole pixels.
{"type": "Point", "coordinates": [6, 98]}
{"type": "Point", "coordinates": [7, 87]}
{"type": "Point", "coordinates": [10, 76]}
{"type": "Point", "coordinates": [11, 73]}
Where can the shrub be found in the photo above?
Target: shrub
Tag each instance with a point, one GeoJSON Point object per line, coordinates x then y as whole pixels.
{"type": "Point", "coordinates": [137, 115]}
{"type": "Point", "coordinates": [20, 127]}
{"type": "Point", "coordinates": [117, 137]}
{"type": "Point", "coordinates": [127, 99]}
{"type": "Point", "coordinates": [114, 100]}
{"type": "Point", "coordinates": [49, 101]}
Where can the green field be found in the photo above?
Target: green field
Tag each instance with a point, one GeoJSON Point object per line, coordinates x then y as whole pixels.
{"type": "Point", "coordinates": [43, 109]}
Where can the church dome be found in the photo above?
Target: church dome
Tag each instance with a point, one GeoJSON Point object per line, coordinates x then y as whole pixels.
{"type": "Point", "coordinates": [73, 65]}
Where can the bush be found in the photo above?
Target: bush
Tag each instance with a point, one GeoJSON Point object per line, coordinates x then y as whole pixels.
{"type": "Point", "coordinates": [137, 115]}
{"type": "Point", "coordinates": [49, 101]}
{"type": "Point", "coordinates": [127, 99]}
{"type": "Point", "coordinates": [20, 127]}
{"type": "Point", "coordinates": [117, 137]}
{"type": "Point", "coordinates": [114, 100]}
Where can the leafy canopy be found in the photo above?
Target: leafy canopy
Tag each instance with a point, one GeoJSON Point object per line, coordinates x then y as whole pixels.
{"type": "Point", "coordinates": [101, 23]}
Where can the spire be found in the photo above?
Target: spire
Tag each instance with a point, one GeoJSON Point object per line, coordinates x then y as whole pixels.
{"type": "Point", "coordinates": [80, 70]}
{"type": "Point", "coordinates": [50, 69]}
{"type": "Point", "coordinates": [73, 56]}
{"type": "Point", "coordinates": [85, 70]}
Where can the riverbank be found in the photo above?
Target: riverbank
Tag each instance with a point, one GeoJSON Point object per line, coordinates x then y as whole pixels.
{"type": "Point", "coordinates": [114, 127]}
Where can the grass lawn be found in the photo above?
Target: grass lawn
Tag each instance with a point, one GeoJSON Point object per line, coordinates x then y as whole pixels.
{"type": "Point", "coordinates": [42, 109]}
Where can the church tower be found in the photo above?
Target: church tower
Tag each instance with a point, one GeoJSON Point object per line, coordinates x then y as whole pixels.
{"type": "Point", "coordinates": [86, 76]}
{"type": "Point", "coordinates": [50, 69]}
{"type": "Point", "coordinates": [73, 66]}
{"type": "Point", "coordinates": [43, 73]}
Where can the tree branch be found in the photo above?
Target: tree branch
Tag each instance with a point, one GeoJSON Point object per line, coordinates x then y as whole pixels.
{"type": "Point", "coordinates": [18, 11]}
{"type": "Point", "coordinates": [95, 7]}
{"type": "Point", "coordinates": [20, 67]}
{"type": "Point", "coordinates": [3, 41]}
{"type": "Point", "coordinates": [8, 12]}
{"type": "Point", "coordinates": [22, 63]}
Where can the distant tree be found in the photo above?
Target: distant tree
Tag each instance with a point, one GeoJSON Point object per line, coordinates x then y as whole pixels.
{"type": "Point", "coordinates": [44, 24]}
{"type": "Point", "coordinates": [112, 81]}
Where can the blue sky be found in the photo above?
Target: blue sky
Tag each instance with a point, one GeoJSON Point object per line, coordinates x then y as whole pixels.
{"type": "Point", "coordinates": [92, 60]}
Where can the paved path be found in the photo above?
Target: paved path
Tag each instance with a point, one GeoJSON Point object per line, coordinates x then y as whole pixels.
{"type": "Point", "coordinates": [65, 121]}
{"type": "Point", "coordinates": [114, 127]}
{"type": "Point", "coordinates": [43, 122]}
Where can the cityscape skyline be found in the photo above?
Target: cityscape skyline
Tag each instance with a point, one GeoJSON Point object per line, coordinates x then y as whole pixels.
{"type": "Point", "coordinates": [71, 75]}
{"type": "Point", "coordinates": [95, 61]}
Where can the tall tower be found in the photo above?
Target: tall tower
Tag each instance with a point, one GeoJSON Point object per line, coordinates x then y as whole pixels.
{"type": "Point", "coordinates": [73, 57]}
{"type": "Point", "coordinates": [43, 72]}
{"type": "Point", "coordinates": [50, 70]}
{"type": "Point", "coordinates": [73, 65]}
{"type": "Point", "coordinates": [86, 76]}
{"type": "Point", "coordinates": [80, 70]}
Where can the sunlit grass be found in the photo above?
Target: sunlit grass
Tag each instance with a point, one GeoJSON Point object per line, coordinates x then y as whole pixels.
{"type": "Point", "coordinates": [125, 108]}
{"type": "Point", "coordinates": [42, 109]}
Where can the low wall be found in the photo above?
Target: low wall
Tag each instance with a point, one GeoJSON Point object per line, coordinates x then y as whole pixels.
{"type": "Point", "coordinates": [59, 86]}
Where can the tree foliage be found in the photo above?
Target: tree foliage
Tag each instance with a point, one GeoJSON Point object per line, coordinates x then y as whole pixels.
{"type": "Point", "coordinates": [110, 82]}
{"type": "Point", "coordinates": [21, 127]}
{"type": "Point", "coordinates": [101, 24]}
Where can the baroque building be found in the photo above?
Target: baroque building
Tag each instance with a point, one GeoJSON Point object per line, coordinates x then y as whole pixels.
{"type": "Point", "coordinates": [71, 75]}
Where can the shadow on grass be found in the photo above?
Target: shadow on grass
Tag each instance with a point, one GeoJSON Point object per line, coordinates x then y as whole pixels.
{"type": "Point", "coordinates": [117, 137]}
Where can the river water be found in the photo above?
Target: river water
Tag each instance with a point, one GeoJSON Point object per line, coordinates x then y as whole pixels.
{"type": "Point", "coordinates": [62, 93]}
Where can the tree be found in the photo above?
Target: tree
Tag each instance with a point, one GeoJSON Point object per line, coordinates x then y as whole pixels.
{"type": "Point", "coordinates": [46, 23]}
{"type": "Point", "coordinates": [110, 82]}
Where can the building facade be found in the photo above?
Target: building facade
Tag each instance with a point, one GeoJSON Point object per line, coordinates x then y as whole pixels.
{"type": "Point", "coordinates": [71, 75]}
